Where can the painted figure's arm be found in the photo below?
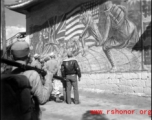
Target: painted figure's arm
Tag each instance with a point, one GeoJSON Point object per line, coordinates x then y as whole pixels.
{"type": "Point", "coordinates": [86, 27]}
{"type": "Point", "coordinates": [42, 92]}
{"type": "Point", "coordinates": [107, 28]}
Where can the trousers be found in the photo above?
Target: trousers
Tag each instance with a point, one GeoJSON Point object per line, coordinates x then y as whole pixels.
{"type": "Point", "coordinates": [71, 81]}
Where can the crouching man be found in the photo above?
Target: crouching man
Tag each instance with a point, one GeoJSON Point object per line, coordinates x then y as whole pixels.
{"type": "Point", "coordinates": [52, 66]}
{"type": "Point", "coordinates": [20, 52]}
{"type": "Point", "coordinates": [16, 100]}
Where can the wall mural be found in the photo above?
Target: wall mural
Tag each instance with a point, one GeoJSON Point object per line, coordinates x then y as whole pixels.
{"type": "Point", "coordinates": [101, 36]}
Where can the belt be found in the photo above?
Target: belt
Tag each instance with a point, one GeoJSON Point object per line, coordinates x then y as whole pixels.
{"type": "Point", "coordinates": [73, 74]}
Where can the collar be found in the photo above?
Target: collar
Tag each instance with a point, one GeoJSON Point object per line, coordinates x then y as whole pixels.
{"type": "Point", "coordinates": [68, 59]}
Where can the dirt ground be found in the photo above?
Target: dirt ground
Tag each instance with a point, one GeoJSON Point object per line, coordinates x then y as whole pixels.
{"type": "Point", "coordinates": [96, 101]}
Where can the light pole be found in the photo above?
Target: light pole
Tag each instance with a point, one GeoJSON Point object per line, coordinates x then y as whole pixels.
{"type": "Point", "coordinates": [3, 29]}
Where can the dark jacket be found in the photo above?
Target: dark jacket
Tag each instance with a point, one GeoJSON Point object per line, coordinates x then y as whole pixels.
{"type": "Point", "coordinates": [69, 67]}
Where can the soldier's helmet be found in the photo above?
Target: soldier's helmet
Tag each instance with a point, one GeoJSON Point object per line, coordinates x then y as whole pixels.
{"type": "Point", "coordinates": [20, 49]}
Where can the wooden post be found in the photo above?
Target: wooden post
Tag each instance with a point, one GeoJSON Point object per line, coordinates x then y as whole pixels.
{"type": "Point", "coordinates": [3, 29]}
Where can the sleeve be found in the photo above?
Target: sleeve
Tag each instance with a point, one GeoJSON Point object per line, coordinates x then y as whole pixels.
{"type": "Point", "coordinates": [78, 69]}
{"type": "Point", "coordinates": [63, 70]}
{"type": "Point", "coordinates": [42, 92]}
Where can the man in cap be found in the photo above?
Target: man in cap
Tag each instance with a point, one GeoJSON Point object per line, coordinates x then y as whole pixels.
{"type": "Point", "coordinates": [52, 66]}
{"type": "Point", "coordinates": [36, 63]}
{"type": "Point", "coordinates": [70, 70]}
{"type": "Point", "coordinates": [20, 52]}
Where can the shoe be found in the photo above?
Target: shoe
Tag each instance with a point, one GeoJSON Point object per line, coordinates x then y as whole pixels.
{"type": "Point", "coordinates": [59, 101]}
{"type": "Point", "coordinates": [77, 103]}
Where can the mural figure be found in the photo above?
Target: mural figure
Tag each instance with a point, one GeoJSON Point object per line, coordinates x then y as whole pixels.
{"type": "Point", "coordinates": [51, 45]}
{"type": "Point", "coordinates": [91, 28]}
{"type": "Point", "coordinates": [73, 45]}
{"type": "Point", "coordinates": [120, 32]}
{"type": "Point", "coordinates": [40, 46]}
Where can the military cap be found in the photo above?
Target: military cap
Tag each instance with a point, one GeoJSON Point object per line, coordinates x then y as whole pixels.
{"type": "Point", "coordinates": [20, 49]}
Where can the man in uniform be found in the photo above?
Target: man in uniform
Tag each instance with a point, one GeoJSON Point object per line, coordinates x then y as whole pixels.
{"type": "Point", "coordinates": [20, 52]}
{"type": "Point", "coordinates": [52, 66]}
{"type": "Point", "coordinates": [70, 70]}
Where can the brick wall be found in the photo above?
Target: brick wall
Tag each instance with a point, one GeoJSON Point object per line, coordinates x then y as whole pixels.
{"type": "Point", "coordinates": [138, 83]}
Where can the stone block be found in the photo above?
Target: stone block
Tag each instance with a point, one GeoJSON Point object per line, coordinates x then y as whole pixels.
{"type": "Point", "coordinates": [123, 81]}
{"type": "Point", "coordinates": [118, 76]}
{"type": "Point", "coordinates": [149, 76]}
{"type": "Point", "coordinates": [104, 81]}
{"type": "Point", "coordinates": [97, 81]}
{"type": "Point", "coordinates": [144, 75]}
{"type": "Point", "coordinates": [129, 83]}
{"type": "Point", "coordinates": [99, 86]}
{"type": "Point", "coordinates": [130, 76]}
{"type": "Point", "coordinates": [90, 82]}
{"type": "Point", "coordinates": [138, 89]}
{"type": "Point", "coordinates": [114, 88]}
{"type": "Point", "coordinates": [125, 89]}
{"type": "Point", "coordinates": [138, 83]}
{"type": "Point", "coordinates": [126, 76]}
{"type": "Point", "coordinates": [148, 83]}
{"type": "Point", "coordinates": [113, 81]}
{"type": "Point", "coordinates": [103, 87]}
{"type": "Point", "coordinates": [107, 76]}
{"type": "Point", "coordinates": [147, 91]}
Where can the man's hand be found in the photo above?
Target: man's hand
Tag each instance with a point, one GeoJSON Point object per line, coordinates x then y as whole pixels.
{"type": "Point", "coordinates": [79, 79]}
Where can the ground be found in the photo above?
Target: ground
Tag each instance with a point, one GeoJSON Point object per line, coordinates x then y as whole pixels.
{"type": "Point", "coordinates": [96, 101]}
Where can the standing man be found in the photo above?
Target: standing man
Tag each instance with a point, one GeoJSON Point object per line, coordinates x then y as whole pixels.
{"type": "Point", "coordinates": [70, 70]}
{"type": "Point", "coordinates": [52, 66]}
{"type": "Point", "coordinates": [20, 53]}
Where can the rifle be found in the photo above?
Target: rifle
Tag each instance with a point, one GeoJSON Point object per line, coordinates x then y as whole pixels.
{"type": "Point", "coordinates": [27, 67]}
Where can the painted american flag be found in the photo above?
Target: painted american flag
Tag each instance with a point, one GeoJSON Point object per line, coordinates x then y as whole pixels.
{"type": "Point", "coordinates": [73, 26]}
{"type": "Point", "coordinates": [67, 26]}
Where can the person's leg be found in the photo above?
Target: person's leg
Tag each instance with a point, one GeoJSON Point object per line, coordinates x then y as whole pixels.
{"type": "Point", "coordinates": [56, 91]}
{"type": "Point", "coordinates": [68, 91]}
{"type": "Point", "coordinates": [107, 46]}
{"type": "Point", "coordinates": [75, 89]}
{"type": "Point", "coordinates": [64, 90]}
